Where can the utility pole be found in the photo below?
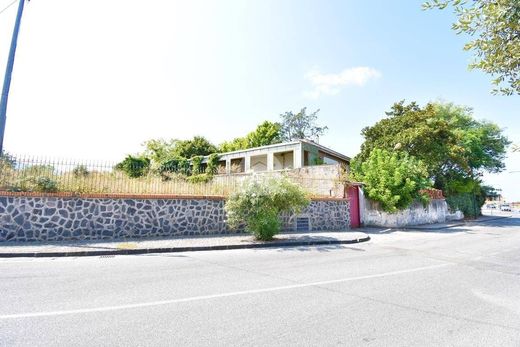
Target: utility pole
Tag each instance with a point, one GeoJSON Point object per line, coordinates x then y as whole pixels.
{"type": "Point", "coordinates": [8, 73]}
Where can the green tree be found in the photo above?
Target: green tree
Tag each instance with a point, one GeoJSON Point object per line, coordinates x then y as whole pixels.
{"type": "Point", "coordinates": [159, 150]}
{"type": "Point", "coordinates": [445, 137]}
{"type": "Point", "coordinates": [197, 146]}
{"type": "Point", "coordinates": [496, 48]}
{"type": "Point", "coordinates": [134, 166]}
{"type": "Point", "coordinates": [266, 133]}
{"type": "Point", "coordinates": [393, 178]}
{"type": "Point", "coordinates": [236, 144]}
{"type": "Point", "coordinates": [301, 126]}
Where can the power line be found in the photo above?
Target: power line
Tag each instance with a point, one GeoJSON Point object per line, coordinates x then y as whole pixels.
{"type": "Point", "coordinates": [5, 8]}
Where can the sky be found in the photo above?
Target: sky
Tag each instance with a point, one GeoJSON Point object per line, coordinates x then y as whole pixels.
{"type": "Point", "coordinates": [95, 79]}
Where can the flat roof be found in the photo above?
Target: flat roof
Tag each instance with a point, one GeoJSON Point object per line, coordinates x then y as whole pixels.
{"type": "Point", "coordinates": [287, 144]}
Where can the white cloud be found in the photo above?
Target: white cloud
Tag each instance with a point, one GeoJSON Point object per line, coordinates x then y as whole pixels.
{"type": "Point", "coordinates": [331, 84]}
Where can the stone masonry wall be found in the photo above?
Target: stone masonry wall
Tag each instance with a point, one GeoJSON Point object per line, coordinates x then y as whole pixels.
{"type": "Point", "coordinates": [26, 218]}
{"type": "Point", "coordinates": [323, 215]}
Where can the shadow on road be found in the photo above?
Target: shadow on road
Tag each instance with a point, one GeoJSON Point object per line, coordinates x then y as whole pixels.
{"type": "Point", "coordinates": [319, 248]}
{"type": "Point", "coordinates": [462, 227]}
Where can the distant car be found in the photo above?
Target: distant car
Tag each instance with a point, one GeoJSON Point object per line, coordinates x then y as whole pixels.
{"type": "Point", "coordinates": [505, 207]}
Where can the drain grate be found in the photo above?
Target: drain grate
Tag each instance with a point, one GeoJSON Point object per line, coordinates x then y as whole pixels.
{"type": "Point", "coordinates": [302, 224]}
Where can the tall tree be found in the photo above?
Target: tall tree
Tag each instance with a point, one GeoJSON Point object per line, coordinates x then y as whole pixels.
{"type": "Point", "coordinates": [199, 145]}
{"type": "Point", "coordinates": [301, 126]}
{"type": "Point", "coordinates": [266, 133]}
{"type": "Point", "coordinates": [452, 144]}
{"type": "Point", "coordinates": [496, 48]}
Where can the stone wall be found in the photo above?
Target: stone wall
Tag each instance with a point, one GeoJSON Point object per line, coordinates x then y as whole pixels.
{"type": "Point", "coordinates": [435, 212]}
{"type": "Point", "coordinates": [319, 180]}
{"type": "Point", "coordinates": [58, 218]}
{"type": "Point", "coordinates": [322, 215]}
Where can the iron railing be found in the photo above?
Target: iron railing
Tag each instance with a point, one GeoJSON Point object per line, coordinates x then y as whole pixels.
{"type": "Point", "coordinates": [50, 175]}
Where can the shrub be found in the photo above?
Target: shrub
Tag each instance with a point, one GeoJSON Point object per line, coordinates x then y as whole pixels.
{"type": "Point", "coordinates": [184, 166]}
{"type": "Point", "coordinates": [45, 184]}
{"type": "Point", "coordinates": [134, 166]}
{"type": "Point", "coordinates": [42, 184]}
{"type": "Point", "coordinates": [468, 203]}
{"type": "Point", "coordinates": [212, 165]}
{"type": "Point", "coordinates": [200, 178]}
{"type": "Point", "coordinates": [258, 205]}
{"type": "Point", "coordinates": [170, 165]}
{"type": "Point", "coordinates": [196, 163]}
{"type": "Point", "coordinates": [80, 171]}
{"type": "Point", "coordinates": [395, 179]}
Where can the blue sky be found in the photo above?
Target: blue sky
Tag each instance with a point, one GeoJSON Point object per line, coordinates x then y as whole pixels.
{"type": "Point", "coordinates": [95, 79]}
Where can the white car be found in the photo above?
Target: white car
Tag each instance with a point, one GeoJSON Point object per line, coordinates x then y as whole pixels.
{"type": "Point", "coordinates": [505, 207]}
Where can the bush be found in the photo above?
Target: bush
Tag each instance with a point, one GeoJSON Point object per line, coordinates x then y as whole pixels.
{"type": "Point", "coordinates": [212, 165]}
{"type": "Point", "coordinates": [42, 184]}
{"type": "Point", "coordinates": [45, 184]}
{"type": "Point", "coordinates": [200, 178]}
{"type": "Point", "coordinates": [196, 163]}
{"type": "Point", "coordinates": [258, 205]}
{"type": "Point", "coordinates": [395, 179]}
{"type": "Point", "coordinates": [134, 166]}
{"type": "Point", "coordinates": [80, 171]}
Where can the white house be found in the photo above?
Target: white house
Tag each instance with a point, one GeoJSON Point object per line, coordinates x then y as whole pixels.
{"type": "Point", "coordinates": [281, 156]}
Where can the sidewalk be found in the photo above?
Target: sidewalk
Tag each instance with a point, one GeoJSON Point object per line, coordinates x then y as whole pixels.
{"type": "Point", "coordinates": [168, 245]}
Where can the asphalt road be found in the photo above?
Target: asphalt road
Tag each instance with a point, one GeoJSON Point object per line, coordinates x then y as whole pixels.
{"type": "Point", "coordinates": [453, 287]}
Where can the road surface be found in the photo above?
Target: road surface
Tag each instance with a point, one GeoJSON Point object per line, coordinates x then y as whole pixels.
{"type": "Point", "coordinates": [456, 287]}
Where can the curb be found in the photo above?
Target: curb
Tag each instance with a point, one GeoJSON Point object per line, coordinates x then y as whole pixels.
{"type": "Point", "coordinates": [486, 220]}
{"type": "Point", "coordinates": [181, 249]}
{"type": "Point", "coordinates": [462, 223]}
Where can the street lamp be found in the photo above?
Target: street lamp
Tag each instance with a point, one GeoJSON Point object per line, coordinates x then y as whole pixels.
{"type": "Point", "coordinates": [8, 73]}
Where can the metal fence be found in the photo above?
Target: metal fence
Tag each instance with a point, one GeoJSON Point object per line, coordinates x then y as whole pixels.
{"type": "Point", "coordinates": [47, 175]}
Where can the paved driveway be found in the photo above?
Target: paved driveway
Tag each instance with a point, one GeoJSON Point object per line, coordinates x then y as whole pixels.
{"type": "Point", "coordinates": [457, 287]}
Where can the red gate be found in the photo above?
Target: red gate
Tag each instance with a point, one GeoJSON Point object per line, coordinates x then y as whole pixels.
{"type": "Point", "coordinates": [353, 198]}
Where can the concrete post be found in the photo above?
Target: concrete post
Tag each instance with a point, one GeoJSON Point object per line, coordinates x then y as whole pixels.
{"type": "Point", "coordinates": [247, 163]}
{"type": "Point", "coordinates": [298, 156]}
{"type": "Point", "coordinates": [228, 166]}
{"type": "Point", "coordinates": [270, 161]}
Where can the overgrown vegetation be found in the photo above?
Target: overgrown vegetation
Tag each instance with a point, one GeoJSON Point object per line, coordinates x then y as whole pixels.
{"type": "Point", "coordinates": [258, 205]}
{"type": "Point", "coordinates": [455, 148]}
{"type": "Point", "coordinates": [394, 179]}
{"type": "Point", "coordinates": [134, 166]}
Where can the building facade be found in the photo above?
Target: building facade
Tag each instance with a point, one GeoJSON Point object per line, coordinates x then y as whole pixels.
{"type": "Point", "coordinates": [282, 156]}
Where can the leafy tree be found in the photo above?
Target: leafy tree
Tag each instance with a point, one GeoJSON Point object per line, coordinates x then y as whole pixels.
{"type": "Point", "coordinates": [236, 144]}
{"type": "Point", "coordinates": [259, 203]}
{"type": "Point", "coordinates": [266, 133]}
{"type": "Point", "coordinates": [134, 166]}
{"type": "Point", "coordinates": [197, 146]}
{"type": "Point", "coordinates": [496, 25]}
{"type": "Point", "coordinates": [393, 178]}
{"type": "Point", "coordinates": [301, 126]}
{"type": "Point", "coordinates": [445, 137]}
{"type": "Point", "coordinates": [159, 150]}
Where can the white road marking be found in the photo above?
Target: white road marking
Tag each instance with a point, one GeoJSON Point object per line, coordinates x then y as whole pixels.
{"type": "Point", "coordinates": [213, 296]}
